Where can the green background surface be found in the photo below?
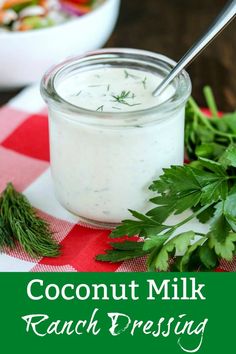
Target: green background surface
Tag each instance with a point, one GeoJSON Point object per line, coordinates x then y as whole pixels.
{"type": "Point", "coordinates": [219, 308]}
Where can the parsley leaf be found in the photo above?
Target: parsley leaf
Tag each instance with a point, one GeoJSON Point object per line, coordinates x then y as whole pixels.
{"type": "Point", "coordinates": [228, 158]}
{"type": "Point", "coordinates": [143, 226]}
{"type": "Point", "coordinates": [224, 249]}
{"type": "Point", "coordinates": [178, 243]}
{"type": "Point", "coordinates": [230, 210]}
{"type": "Point", "coordinates": [122, 251]}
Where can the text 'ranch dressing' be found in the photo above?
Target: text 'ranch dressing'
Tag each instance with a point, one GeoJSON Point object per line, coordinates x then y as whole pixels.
{"type": "Point", "coordinates": [100, 171]}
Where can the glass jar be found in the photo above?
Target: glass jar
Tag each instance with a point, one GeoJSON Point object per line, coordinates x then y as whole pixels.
{"type": "Point", "coordinates": [103, 163]}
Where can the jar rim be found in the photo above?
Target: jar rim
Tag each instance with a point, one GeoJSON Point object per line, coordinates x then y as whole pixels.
{"type": "Point", "coordinates": [183, 84]}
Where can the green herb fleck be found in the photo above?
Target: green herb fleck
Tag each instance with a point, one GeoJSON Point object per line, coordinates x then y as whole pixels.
{"type": "Point", "coordinates": [100, 109]}
{"type": "Point", "coordinates": [97, 85]}
{"type": "Point", "coordinates": [144, 82]}
{"type": "Point", "coordinates": [127, 75]}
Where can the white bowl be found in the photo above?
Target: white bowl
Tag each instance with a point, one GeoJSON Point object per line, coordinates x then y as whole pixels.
{"type": "Point", "coordinates": [25, 56]}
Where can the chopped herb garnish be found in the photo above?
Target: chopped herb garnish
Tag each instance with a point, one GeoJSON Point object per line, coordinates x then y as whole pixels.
{"type": "Point", "coordinates": [77, 94]}
{"type": "Point", "coordinates": [108, 87]}
{"type": "Point", "coordinates": [120, 98]}
{"type": "Point", "coordinates": [100, 109]}
{"type": "Point", "coordinates": [97, 85]}
{"type": "Point", "coordinates": [100, 85]}
{"type": "Point", "coordinates": [144, 82]}
{"type": "Point", "coordinates": [123, 96]}
{"type": "Point", "coordinates": [127, 75]}
{"type": "Point", "coordinates": [116, 108]}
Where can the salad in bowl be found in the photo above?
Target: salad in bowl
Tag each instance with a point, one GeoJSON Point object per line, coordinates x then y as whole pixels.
{"type": "Point", "coordinates": [24, 15]}
{"type": "Point", "coordinates": [36, 34]}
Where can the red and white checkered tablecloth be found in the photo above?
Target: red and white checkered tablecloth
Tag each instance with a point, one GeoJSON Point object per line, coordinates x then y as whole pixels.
{"type": "Point", "coordinates": [24, 160]}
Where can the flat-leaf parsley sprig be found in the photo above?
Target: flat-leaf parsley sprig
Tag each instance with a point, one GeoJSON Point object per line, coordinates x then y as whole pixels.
{"type": "Point", "coordinates": [206, 186]}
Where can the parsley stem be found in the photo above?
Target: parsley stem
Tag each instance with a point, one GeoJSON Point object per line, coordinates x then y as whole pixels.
{"type": "Point", "coordinates": [206, 121]}
{"type": "Point", "coordinates": [200, 234]}
{"type": "Point", "coordinates": [211, 101]}
{"type": "Point", "coordinates": [189, 218]}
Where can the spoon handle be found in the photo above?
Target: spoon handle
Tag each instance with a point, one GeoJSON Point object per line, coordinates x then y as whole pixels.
{"type": "Point", "coordinates": [225, 17]}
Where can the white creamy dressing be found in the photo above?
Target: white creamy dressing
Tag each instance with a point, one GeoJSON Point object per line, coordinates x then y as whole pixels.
{"type": "Point", "coordinates": [113, 90]}
{"type": "Point", "coordinates": [102, 171]}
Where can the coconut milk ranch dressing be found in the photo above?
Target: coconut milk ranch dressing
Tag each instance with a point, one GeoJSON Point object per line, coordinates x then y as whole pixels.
{"type": "Point", "coordinates": [112, 142]}
{"type": "Point", "coordinates": [113, 90]}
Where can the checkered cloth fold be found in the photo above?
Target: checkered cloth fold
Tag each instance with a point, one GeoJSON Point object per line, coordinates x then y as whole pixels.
{"type": "Point", "coordinates": [24, 160]}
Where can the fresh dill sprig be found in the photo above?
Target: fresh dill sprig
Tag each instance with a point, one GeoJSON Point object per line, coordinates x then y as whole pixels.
{"type": "Point", "coordinates": [6, 238]}
{"type": "Point", "coordinates": [123, 96]}
{"type": "Point", "coordinates": [19, 222]}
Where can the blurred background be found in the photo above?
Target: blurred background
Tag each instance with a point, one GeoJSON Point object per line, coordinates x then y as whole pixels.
{"type": "Point", "coordinates": [170, 27]}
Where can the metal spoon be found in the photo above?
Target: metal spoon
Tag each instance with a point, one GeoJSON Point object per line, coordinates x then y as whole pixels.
{"type": "Point", "coordinates": [225, 17]}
